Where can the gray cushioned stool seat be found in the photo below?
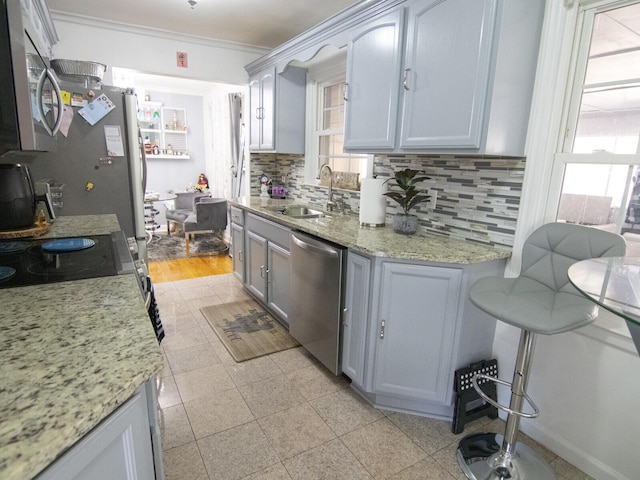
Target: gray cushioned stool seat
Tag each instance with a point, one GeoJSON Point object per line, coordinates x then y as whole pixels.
{"type": "Point", "coordinates": [541, 299]}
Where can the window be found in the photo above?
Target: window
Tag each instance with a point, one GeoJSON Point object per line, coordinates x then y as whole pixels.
{"type": "Point", "coordinates": [329, 137]}
{"type": "Point", "coordinates": [325, 127]}
{"type": "Point", "coordinates": [587, 162]}
{"type": "Point", "coordinates": [599, 162]}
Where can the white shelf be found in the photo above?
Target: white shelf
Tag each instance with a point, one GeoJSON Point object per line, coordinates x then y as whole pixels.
{"type": "Point", "coordinates": [167, 128]}
{"type": "Point", "coordinates": [151, 156]}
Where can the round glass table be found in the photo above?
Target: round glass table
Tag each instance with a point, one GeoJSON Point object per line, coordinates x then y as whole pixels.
{"type": "Point", "coordinates": [613, 283]}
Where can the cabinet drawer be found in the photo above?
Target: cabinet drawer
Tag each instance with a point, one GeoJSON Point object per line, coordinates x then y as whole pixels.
{"type": "Point", "coordinates": [237, 216]}
{"type": "Point", "coordinates": [271, 231]}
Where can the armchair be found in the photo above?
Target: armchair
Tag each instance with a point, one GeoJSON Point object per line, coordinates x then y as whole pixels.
{"type": "Point", "coordinates": [184, 205]}
{"type": "Point", "coordinates": [210, 217]}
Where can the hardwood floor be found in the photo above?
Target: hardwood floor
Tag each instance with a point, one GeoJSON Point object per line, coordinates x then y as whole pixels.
{"type": "Point", "coordinates": [192, 267]}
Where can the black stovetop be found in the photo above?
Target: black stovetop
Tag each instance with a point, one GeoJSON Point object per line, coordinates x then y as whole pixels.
{"type": "Point", "coordinates": [35, 266]}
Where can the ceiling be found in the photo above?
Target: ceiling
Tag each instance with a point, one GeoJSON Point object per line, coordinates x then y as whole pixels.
{"type": "Point", "coordinates": [264, 23]}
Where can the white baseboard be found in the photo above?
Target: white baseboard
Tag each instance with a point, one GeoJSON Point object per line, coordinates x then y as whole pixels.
{"type": "Point", "coordinates": [570, 453]}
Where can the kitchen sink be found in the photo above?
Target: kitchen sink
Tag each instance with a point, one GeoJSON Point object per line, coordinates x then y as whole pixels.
{"type": "Point", "coordinates": [299, 211]}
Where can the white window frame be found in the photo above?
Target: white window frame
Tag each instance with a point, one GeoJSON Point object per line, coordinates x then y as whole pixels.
{"type": "Point", "coordinates": [558, 63]}
{"type": "Point", "coordinates": [332, 71]}
{"type": "Point", "coordinates": [319, 75]}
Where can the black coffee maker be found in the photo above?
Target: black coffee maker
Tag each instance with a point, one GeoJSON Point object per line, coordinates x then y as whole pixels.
{"type": "Point", "coordinates": [17, 197]}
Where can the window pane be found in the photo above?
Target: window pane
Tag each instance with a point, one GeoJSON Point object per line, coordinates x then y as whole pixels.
{"type": "Point", "coordinates": [324, 145]}
{"type": "Point", "coordinates": [613, 54]}
{"type": "Point", "coordinates": [609, 118]}
{"type": "Point", "coordinates": [334, 118]}
{"type": "Point", "coordinates": [346, 167]}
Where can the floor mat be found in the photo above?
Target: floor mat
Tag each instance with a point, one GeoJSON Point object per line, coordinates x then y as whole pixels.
{"type": "Point", "coordinates": [247, 330]}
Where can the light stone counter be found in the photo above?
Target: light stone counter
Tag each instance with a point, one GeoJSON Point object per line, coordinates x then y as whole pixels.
{"type": "Point", "coordinates": [70, 354]}
{"type": "Point", "coordinates": [345, 230]}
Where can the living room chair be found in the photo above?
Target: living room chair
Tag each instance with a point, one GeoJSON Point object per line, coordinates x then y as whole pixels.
{"type": "Point", "coordinates": [210, 217]}
{"type": "Point", "coordinates": [540, 301]}
{"type": "Point", "coordinates": [184, 205]}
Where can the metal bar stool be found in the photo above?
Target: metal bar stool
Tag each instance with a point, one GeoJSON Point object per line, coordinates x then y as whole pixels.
{"type": "Point", "coordinates": [540, 300]}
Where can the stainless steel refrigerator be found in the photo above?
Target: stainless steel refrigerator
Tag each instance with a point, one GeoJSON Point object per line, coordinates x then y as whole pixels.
{"type": "Point", "coordinates": [98, 180]}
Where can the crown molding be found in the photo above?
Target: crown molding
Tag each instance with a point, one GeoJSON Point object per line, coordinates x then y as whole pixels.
{"type": "Point", "coordinates": [327, 32]}
{"type": "Point", "coordinates": [155, 32]}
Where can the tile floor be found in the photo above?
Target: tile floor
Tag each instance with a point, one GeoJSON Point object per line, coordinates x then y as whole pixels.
{"type": "Point", "coordinates": [283, 416]}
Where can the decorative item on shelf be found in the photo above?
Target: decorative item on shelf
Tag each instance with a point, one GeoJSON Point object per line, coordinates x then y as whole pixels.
{"type": "Point", "coordinates": [278, 192]}
{"type": "Point", "coordinates": [408, 196]}
{"type": "Point", "coordinates": [264, 185]}
{"type": "Point", "coordinates": [203, 183]}
{"type": "Point", "coordinates": [148, 149]}
{"type": "Point", "coordinates": [170, 149]}
{"type": "Point", "coordinates": [156, 148]}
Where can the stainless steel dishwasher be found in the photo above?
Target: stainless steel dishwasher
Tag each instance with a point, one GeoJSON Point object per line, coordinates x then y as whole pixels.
{"type": "Point", "coordinates": [317, 303]}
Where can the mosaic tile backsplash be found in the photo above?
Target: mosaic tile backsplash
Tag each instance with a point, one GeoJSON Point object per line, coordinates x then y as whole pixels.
{"type": "Point", "coordinates": [476, 198]}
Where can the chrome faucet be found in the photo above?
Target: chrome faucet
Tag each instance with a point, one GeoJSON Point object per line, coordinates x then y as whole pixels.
{"type": "Point", "coordinates": [329, 206]}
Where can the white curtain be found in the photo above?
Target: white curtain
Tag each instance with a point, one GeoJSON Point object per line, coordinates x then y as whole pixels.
{"type": "Point", "coordinates": [224, 171]}
{"type": "Point", "coordinates": [237, 144]}
{"type": "Point", "coordinates": [218, 170]}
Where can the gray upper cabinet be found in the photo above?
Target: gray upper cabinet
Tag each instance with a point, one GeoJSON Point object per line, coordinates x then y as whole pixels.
{"type": "Point", "coordinates": [262, 108]}
{"type": "Point", "coordinates": [458, 79]}
{"type": "Point", "coordinates": [446, 73]}
{"type": "Point", "coordinates": [277, 110]}
{"type": "Point", "coordinates": [374, 57]}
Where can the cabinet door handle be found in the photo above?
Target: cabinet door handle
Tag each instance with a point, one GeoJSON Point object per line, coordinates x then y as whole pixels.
{"type": "Point", "coordinates": [345, 92]}
{"type": "Point", "coordinates": [240, 256]}
{"type": "Point", "coordinates": [405, 82]}
{"type": "Point", "coordinates": [264, 272]}
{"type": "Point", "coordinates": [260, 113]}
{"type": "Point", "coordinates": [382, 329]}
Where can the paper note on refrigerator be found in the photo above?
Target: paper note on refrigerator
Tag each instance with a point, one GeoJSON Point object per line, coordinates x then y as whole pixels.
{"type": "Point", "coordinates": [97, 109]}
{"type": "Point", "coordinates": [67, 118]}
{"type": "Point", "coordinates": [113, 138]}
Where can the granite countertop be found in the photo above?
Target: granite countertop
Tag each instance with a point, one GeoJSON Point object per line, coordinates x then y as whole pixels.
{"type": "Point", "coordinates": [345, 230]}
{"type": "Point", "coordinates": [70, 354]}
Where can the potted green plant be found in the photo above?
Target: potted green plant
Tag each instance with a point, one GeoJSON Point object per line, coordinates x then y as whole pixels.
{"type": "Point", "coordinates": [405, 192]}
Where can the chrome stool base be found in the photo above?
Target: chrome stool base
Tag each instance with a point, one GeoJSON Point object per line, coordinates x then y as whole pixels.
{"type": "Point", "coordinates": [480, 458]}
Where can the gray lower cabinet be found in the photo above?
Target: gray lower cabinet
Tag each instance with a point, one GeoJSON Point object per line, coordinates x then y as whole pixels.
{"type": "Point", "coordinates": [278, 280]}
{"type": "Point", "coordinates": [356, 316]}
{"type": "Point", "coordinates": [414, 331]}
{"type": "Point", "coordinates": [256, 256]}
{"type": "Point", "coordinates": [266, 254]}
{"type": "Point", "coordinates": [126, 445]}
{"type": "Point", "coordinates": [237, 250]}
{"type": "Point", "coordinates": [408, 327]}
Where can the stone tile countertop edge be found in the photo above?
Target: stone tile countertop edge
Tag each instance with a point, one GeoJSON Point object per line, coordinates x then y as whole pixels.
{"type": "Point", "coordinates": [345, 230]}
{"type": "Point", "coordinates": [70, 354]}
